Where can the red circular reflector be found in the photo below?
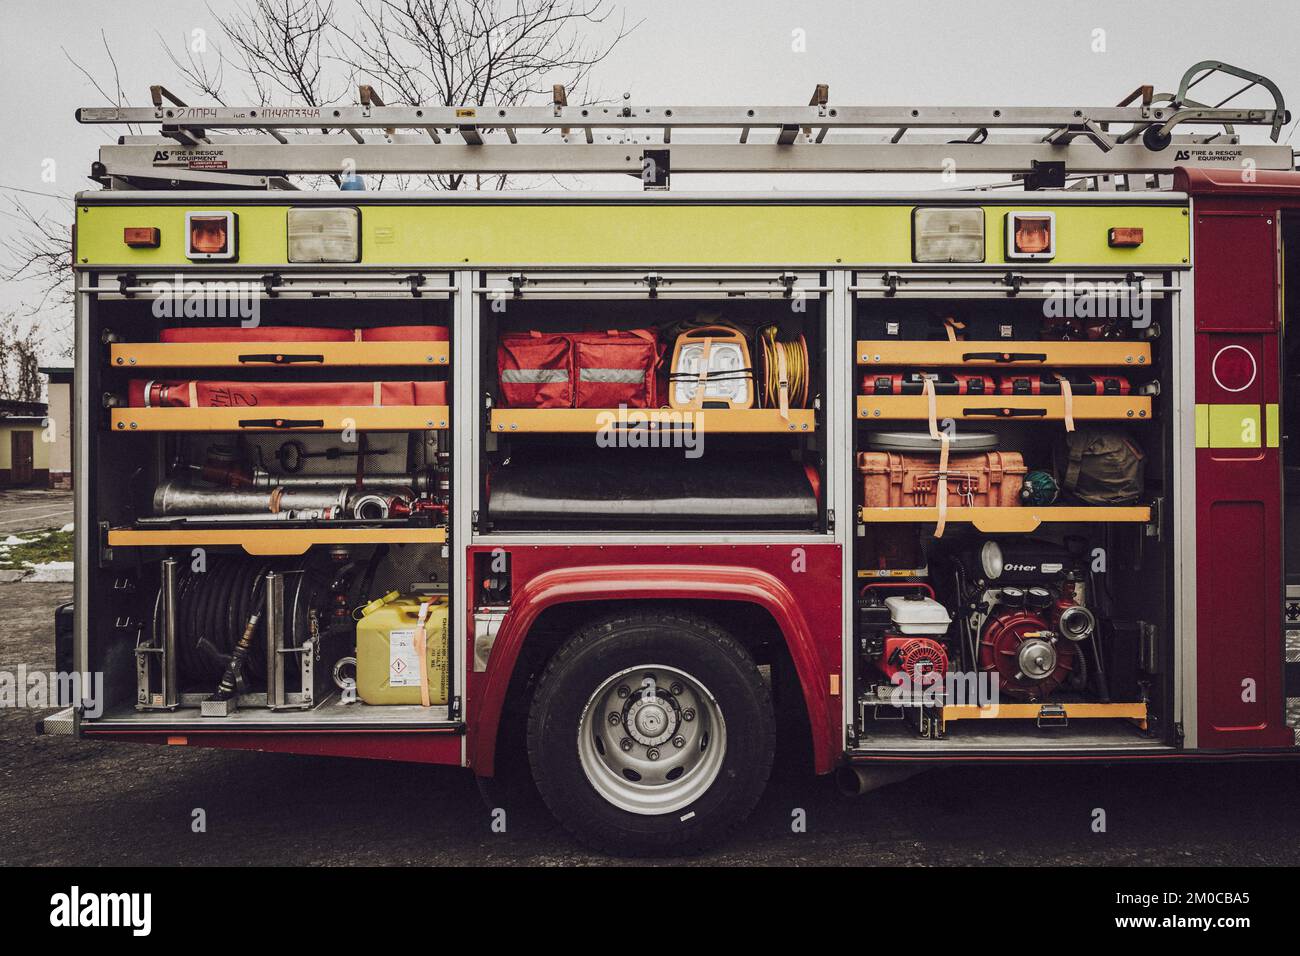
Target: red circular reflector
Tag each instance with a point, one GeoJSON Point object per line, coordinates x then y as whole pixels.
{"type": "Point", "coordinates": [1233, 368]}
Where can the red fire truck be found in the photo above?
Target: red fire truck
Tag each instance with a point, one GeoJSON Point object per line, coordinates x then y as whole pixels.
{"type": "Point", "coordinates": [637, 490]}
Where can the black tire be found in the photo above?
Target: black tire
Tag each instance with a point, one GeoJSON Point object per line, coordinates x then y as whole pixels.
{"type": "Point", "coordinates": [637, 640]}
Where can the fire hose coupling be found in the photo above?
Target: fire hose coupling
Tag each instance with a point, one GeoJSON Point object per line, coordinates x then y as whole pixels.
{"type": "Point", "coordinates": [370, 506]}
{"type": "Point", "coordinates": [1075, 622]}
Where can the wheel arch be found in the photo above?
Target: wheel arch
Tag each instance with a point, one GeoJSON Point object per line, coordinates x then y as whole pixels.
{"type": "Point", "coordinates": [546, 606]}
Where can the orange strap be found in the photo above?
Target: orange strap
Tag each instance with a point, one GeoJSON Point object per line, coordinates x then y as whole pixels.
{"type": "Point", "coordinates": [941, 491]}
{"type": "Point", "coordinates": [950, 326]}
{"type": "Point", "coordinates": [698, 400]}
{"type": "Point", "coordinates": [783, 379]}
{"type": "Point", "coordinates": [1067, 394]}
{"type": "Point", "coordinates": [421, 648]}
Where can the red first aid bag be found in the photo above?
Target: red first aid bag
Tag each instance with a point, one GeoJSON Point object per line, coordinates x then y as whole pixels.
{"type": "Point", "coordinates": [616, 368]}
{"type": "Point", "coordinates": [143, 393]}
{"type": "Point", "coordinates": [579, 369]}
{"type": "Point", "coordinates": [536, 370]}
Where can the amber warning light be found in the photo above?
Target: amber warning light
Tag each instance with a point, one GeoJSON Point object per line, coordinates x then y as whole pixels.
{"type": "Point", "coordinates": [210, 235]}
{"type": "Point", "coordinates": [1124, 237]}
{"type": "Point", "coordinates": [1031, 235]}
{"type": "Point", "coordinates": [141, 237]}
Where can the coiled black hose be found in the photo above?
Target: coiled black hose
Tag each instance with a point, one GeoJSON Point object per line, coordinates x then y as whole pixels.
{"type": "Point", "coordinates": [213, 606]}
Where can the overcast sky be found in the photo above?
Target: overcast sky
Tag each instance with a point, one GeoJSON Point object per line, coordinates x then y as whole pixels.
{"type": "Point", "coordinates": [911, 52]}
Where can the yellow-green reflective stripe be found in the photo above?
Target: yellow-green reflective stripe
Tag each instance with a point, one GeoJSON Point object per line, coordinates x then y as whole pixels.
{"type": "Point", "coordinates": [1272, 425]}
{"type": "Point", "coordinates": [1233, 426]}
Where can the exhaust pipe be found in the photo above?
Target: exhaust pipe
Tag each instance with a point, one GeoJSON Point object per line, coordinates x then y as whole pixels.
{"type": "Point", "coordinates": [854, 780]}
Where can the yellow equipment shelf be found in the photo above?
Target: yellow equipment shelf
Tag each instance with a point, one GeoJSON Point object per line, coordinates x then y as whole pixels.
{"type": "Point", "coordinates": [271, 541]}
{"type": "Point", "coordinates": [282, 418]}
{"type": "Point", "coordinates": [992, 520]}
{"type": "Point", "coordinates": [1021, 408]}
{"type": "Point", "coordinates": [587, 420]}
{"type": "Point", "coordinates": [275, 354]}
{"type": "Point", "coordinates": [1003, 353]}
{"type": "Point", "coordinates": [1049, 712]}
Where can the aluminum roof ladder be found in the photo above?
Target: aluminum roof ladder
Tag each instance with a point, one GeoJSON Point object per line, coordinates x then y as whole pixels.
{"type": "Point", "coordinates": [1147, 134]}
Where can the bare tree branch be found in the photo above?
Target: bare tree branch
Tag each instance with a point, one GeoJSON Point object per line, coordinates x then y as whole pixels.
{"type": "Point", "coordinates": [414, 52]}
{"type": "Point", "coordinates": [20, 359]}
{"type": "Point", "coordinates": [40, 251]}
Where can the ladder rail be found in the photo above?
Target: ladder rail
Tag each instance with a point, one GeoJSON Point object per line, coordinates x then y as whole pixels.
{"type": "Point", "coordinates": [671, 117]}
{"type": "Point", "coordinates": [235, 145]}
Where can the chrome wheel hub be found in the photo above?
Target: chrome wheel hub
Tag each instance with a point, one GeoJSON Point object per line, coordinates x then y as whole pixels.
{"type": "Point", "coordinates": [651, 739]}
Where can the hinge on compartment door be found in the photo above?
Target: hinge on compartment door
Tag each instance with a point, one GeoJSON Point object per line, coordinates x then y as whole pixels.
{"type": "Point", "coordinates": [830, 520]}
{"type": "Point", "coordinates": [1155, 527]}
{"type": "Point", "coordinates": [453, 712]}
{"type": "Point", "coordinates": [891, 280]}
{"type": "Point", "coordinates": [517, 285]}
{"type": "Point", "coordinates": [105, 552]}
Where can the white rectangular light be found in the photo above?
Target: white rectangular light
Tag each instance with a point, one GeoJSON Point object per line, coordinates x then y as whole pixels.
{"type": "Point", "coordinates": [948, 234]}
{"type": "Point", "coordinates": [324, 234]}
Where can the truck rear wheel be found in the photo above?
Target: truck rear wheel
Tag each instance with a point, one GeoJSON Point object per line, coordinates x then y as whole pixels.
{"type": "Point", "coordinates": [651, 733]}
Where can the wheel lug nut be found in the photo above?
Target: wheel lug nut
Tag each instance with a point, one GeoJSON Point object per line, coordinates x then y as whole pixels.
{"type": "Point", "coordinates": [675, 689]}
{"type": "Point", "coordinates": [615, 718]}
{"type": "Point", "coordinates": [623, 692]}
{"type": "Point", "coordinates": [625, 744]}
{"type": "Point", "coordinates": [652, 753]}
{"type": "Point", "coordinates": [679, 741]}
{"type": "Point", "coordinates": [688, 713]}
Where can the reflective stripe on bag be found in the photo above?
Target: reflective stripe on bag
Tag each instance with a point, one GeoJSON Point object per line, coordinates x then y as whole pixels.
{"type": "Point", "coordinates": [533, 376]}
{"type": "Point", "coordinates": [613, 376]}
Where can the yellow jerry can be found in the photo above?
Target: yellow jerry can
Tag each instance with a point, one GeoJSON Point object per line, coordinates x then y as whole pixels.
{"type": "Point", "coordinates": [388, 665]}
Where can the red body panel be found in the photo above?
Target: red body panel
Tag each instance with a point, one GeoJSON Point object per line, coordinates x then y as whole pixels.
{"type": "Point", "coordinates": [438, 747]}
{"type": "Point", "coordinates": [1238, 490]}
{"type": "Point", "coordinates": [799, 586]}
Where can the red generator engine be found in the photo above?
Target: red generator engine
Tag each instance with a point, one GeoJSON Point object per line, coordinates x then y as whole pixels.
{"type": "Point", "coordinates": [903, 634]}
{"type": "Point", "coordinates": [922, 659]}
